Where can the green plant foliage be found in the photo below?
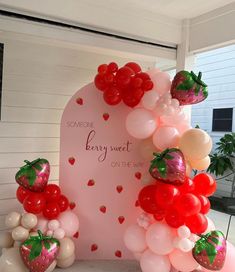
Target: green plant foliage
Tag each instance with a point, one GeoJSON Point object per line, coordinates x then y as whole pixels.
{"type": "Point", "coordinates": [226, 145]}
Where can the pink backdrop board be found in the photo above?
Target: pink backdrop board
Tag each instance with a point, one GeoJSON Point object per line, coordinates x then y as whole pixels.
{"type": "Point", "coordinates": [100, 169]}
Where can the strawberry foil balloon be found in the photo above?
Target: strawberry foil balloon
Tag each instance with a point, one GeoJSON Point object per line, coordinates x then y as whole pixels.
{"type": "Point", "coordinates": [34, 175]}
{"type": "Point", "coordinates": [188, 88]}
{"type": "Point", "coordinates": [38, 252]}
{"type": "Point", "coordinates": [210, 250]}
{"type": "Point", "coordinates": [169, 166]}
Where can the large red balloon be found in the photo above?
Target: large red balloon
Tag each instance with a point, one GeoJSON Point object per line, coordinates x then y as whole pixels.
{"type": "Point", "coordinates": [22, 193]}
{"type": "Point", "coordinates": [123, 76]}
{"type": "Point", "coordinates": [51, 210]}
{"type": "Point", "coordinates": [112, 95]}
{"type": "Point", "coordinates": [205, 204]}
{"type": "Point", "coordinates": [166, 194]}
{"type": "Point", "coordinates": [188, 204]}
{"type": "Point", "coordinates": [100, 82]}
{"type": "Point", "coordinates": [134, 66]}
{"type": "Point", "coordinates": [34, 203]}
{"type": "Point", "coordinates": [204, 184]}
{"type": "Point", "coordinates": [174, 219]}
{"type": "Point", "coordinates": [63, 203]}
{"type": "Point", "coordinates": [197, 223]}
{"type": "Point", "coordinates": [52, 192]}
{"type": "Point", "coordinates": [147, 199]}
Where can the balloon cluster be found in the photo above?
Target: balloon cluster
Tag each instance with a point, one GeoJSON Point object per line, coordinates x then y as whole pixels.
{"type": "Point", "coordinates": [48, 224]}
{"type": "Point", "coordinates": [127, 84]}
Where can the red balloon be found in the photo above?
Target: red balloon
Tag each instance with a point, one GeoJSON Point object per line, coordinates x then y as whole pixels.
{"type": "Point", "coordinates": [102, 69]}
{"type": "Point", "coordinates": [123, 76]}
{"type": "Point", "coordinates": [34, 203]}
{"type": "Point", "coordinates": [187, 187]}
{"type": "Point", "coordinates": [63, 203]}
{"type": "Point", "coordinates": [51, 210]}
{"type": "Point", "coordinates": [52, 192]}
{"type": "Point", "coordinates": [174, 219]}
{"type": "Point", "coordinates": [205, 204]}
{"type": "Point", "coordinates": [136, 82]}
{"type": "Point", "coordinates": [147, 199]}
{"type": "Point", "coordinates": [109, 78]}
{"type": "Point", "coordinates": [188, 204]}
{"type": "Point", "coordinates": [112, 96]}
{"type": "Point", "coordinates": [166, 194]}
{"type": "Point", "coordinates": [100, 82]}
{"type": "Point", "coordinates": [143, 76]}
{"type": "Point", "coordinates": [132, 97]}
{"type": "Point", "coordinates": [134, 66]}
{"type": "Point", "coordinates": [22, 193]}
{"type": "Point", "coordinates": [160, 214]}
{"type": "Point", "coordinates": [147, 85]}
{"type": "Point", "coordinates": [112, 67]}
{"type": "Point", "coordinates": [204, 184]}
{"type": "Point", "coordinates": [197, 223]}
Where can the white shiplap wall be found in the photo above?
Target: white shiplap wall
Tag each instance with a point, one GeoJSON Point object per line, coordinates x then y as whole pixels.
{"type": "Point", "coordinates": [218, 68]}
{"type": "Point", "coordinates": [38, 81]}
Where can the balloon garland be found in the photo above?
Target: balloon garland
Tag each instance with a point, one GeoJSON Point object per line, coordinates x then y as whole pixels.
{"type": "Point", "coordinates": [173, 232]}
{"type": "Point", "coordinates": [41, 238]}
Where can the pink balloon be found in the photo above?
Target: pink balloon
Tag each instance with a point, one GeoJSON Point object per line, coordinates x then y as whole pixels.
{"type": "Point", "coordinates": [42, 224]}
{"type": "Point", "coordinates": [152, 72]}
{"type": "Point", "coordinates": [140, 123]}
{"type": "Point", "coordinates": [183, 261]}
{"type": "Point", "coordinates": [150, 99]}
{"type": "Point", "coordinates": [137, 255]}
{"type": "Point", "coordinates": [134, 238]}
{"type": "Point", "coordinates": [159, 237]}
{"type": "Point", "coordinates": [166, 137]}
{"type": "Point", "coordinates": [69, 223]}
{"type": "Point", "coordinates": [161, 82]}
{"type": "Point", "coordinates": [151, 262]}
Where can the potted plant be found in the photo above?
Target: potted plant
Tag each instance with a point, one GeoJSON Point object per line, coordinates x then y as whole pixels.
{"type": "Point", "coordinates": [222, 164]}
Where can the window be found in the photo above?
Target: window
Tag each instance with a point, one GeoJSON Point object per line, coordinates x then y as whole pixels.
{"type": "Point", "coordinates": [222, 119]}
{"type": "Point", "coordinates": [1, 70]}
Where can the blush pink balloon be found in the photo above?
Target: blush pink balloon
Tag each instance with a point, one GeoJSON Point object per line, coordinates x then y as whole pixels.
{"type": "Point", "coordinates": [140, 123]}
{"type": "Point", "coordinates": [161, 82]}
{"type": "Point", "coordinates": [42, 224]}
{"type": "Point", "coordinates": [166, 137]}
{"type": "Point", "coordinates": [150, 99]}
{"type": "Point", "coordinates": [159, 237]}
{"type": "Point", "coordinates": [183, 261]}
{"type": "Point", "coordinates": [69, 223]}
{"type": "Point", "coordinates": [152, 72]}
{"type": "Point", "coordinates": [134, 238]}
{"type": "Point", "coordinates": [151, 262]}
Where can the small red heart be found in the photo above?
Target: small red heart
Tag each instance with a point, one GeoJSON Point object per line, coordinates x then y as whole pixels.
{"type": "Point", "coordinates": [71, 160]}
{"type": "Point", "coordinates": [121, 219]}
{"type": "Point", "coordinates": [137, 203]}
{"type": "Point", "coordinates": [106, 116]}
{"type": "Point", "coordinates": [118, 253]}
{"type": "Point", "coordinates": [94, 247]}
{"type": "Point", "coordinates": [91, 182]}
{"type": "Point", "coordinates": [79, 101]}
{"type": "Point", "coordinates": [72, 205]}
{"type": "Point", "coordinates": [76, 235]}
{"type": "Point", "coordinates": [103, 209]}
{"type": "Point", "coordinates": [119, 189]}
{"type": "Point", "coordinates": [138, 175]}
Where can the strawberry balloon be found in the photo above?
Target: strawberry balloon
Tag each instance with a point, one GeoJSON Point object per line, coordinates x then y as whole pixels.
{"type": "Point", "coordinates": [210, 250]}
{"type": "Point", "coordinates": [169, 166]}
{"type": "Point", "coordinates": [188, 88]}
{"type": "Point", "coordinates": [38, 252]}
{"type": "Point", "coordinates": [34, 175]}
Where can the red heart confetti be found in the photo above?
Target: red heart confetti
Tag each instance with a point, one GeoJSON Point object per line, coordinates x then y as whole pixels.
{"type": "Point", "coordinates": [121, 219]}
{"type": "Point", "coordinates": [118, 253]}
{"type": "Point", "coordinates": [94, 247]}
{"type": "Point", "coordinates": [72, 205]}
{"type": "Point", "coordinates": [119, 188]}
{"type": "Point", "coordinates": [79, 101]}
{"type": "Point", "coordinates": [71, 160]}
{"type": "Point", "coordinates": [91, 182]}
{"type": "Point", "coordinates": [106, 116]}
{"type": "Point", "coordinates": [103, 209]}
{"type": "Point", "coordinates": [76, 235]}
{"type": "Point", "coordinates": [137, 203]}
{"type": "Point", "coordinates": [138, 175]}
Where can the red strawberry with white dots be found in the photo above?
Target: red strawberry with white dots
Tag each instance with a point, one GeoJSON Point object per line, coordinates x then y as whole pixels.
{"type": "Point", "coordinates": [210, 250]}
{"type": "Point", "coordinates": [34, 175]}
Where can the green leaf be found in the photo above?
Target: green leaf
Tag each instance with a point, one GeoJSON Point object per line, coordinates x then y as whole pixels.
{"type": "Point", "coordinates": [35, 251]}
{"type": "Point", "coordinates": [47, 244]}
{"type": "Point", "coordinates": [161, 166]}
{"type": "Point", "coordinates": [211, 252]}
{"type": "Point", "coordinates": [197, 89]}
{"type": "Point", "coordinates": [168, 157]}
{"type": "Point", "coordinates": [37, 166]}
{"type": "Point", "coordinates": [31, 176]}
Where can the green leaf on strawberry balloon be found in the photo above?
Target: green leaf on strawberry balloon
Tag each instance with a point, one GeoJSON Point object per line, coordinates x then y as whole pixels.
{"type": "Point", "coordinates": [35, 250]}
{"type": "Point", "coordinates": [185, 86]}
{"type": "Point", "coordinates": [47, 244]}
{"type": "Point", "coordinates": [31, 176]}
{"type": "Point", "coordinates": [37, 166]}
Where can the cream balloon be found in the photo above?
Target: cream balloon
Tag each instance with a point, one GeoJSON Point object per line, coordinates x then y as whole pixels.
{"type": "Point", "coordinates": [195, 144]}
{"type": "Point", "coordinates": [11, 261]}
{"type": "Point", "coordinates": [12, 220]}
{"type": "Point", "coordinates": [188, 169]}
{"type": "Point", "coordinates": [67, 248]}
{"type": "Point", "coordinates": [20, 234]}
{"type": "Point", "coordinates": [185, 245]}
{"type": "Point", "coordinates": [6, 240]}
{"type": "Point", "coordinates": [146, 149]}
{"type": "Point", "coordinates": [59, 233]}
{"type": "Point", "coordinates": [29, 220]}
{"type": "Point", "coordinates": [64, 263]}
{"type": "Point", "coordinates": [53, 224]}
{"type": "Point", "coordinates": [201, 164]}
{"type": "Point", "coordinates": [52, 266]}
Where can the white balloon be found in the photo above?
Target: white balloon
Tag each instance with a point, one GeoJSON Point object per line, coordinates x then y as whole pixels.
{"type": "Point", "coordinates": [53, 224]}
{"type": "Point", "coordinates": [185, 245]}
{"type": "Point", "coordinates": [150, 99]}
{"type": "Point", "coordinates": [59, 233]}
{"type": "Point", "coordinates": [183, 232]}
